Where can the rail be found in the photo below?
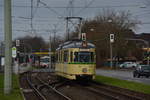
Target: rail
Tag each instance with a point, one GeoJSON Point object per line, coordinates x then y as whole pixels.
{"type": "Point", "coordinates": [54, 89]}
{"type": "Point", "coordinates": [36, 90]}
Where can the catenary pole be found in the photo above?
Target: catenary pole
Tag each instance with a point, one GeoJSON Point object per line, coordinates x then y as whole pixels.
{"type": "Point", "coordinates": [50, 64]}
{"type": "Point", "coordinates": [111, 56]}
{"type": "Point", "coordinates": [8, 47]}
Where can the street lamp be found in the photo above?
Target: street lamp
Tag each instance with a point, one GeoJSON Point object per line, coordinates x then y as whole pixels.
{"type": "Point", "coordinates": [50, 64]}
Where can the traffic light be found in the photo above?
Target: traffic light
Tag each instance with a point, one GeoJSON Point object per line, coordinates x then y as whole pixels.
{"type": "Point", "coordinates": [17, 43]}
{"type": "Point", "coordinates": [111, 38]}
{"type": "Point", "coordinates": [83, 36]}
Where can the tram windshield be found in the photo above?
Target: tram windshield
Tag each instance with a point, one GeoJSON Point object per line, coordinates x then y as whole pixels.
{"type": "Point", "coordinates": [84, 57]}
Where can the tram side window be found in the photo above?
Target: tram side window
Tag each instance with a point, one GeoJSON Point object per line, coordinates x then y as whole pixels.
{"type": "Point", "coordinates": [56, 57]}
{"type": "Point", "coordinates": [61, 56]}
{"type": "Point", "coordinates": [71, 56]}
{"type": "Point", "coordinates": [76, 57]}
{"type": "Point", "coordinates": [92, 56]}
{"type": "Point", "coordinates": [65, 56]}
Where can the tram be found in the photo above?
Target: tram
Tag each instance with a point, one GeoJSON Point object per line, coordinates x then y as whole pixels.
{"type": "Point", "coordinates": [76, 60]}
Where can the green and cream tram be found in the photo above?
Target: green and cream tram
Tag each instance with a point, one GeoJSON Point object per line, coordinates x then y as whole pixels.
{"type": "Point", "coordinates": [75, 60]}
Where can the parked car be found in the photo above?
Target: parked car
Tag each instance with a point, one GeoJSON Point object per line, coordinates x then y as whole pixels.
{"type": "Point", "coordinates": [128, 65]}
{"type": "Point", "coordinates": [142, 70]}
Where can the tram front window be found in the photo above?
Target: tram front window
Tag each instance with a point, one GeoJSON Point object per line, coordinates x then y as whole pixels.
{"type": "Point", "coordinates": [83, 57]}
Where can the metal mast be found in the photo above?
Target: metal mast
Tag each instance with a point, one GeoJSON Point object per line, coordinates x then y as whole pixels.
{"type": "Point", "coordinates": [32, 32]}
{"type": "Point", "coordinates": [71, 8]}
{"type": "Point", "coordinates": [8, 47]}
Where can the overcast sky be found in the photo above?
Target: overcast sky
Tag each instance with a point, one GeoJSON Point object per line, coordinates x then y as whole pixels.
{"type": "Point", "coordinates": [46, 19]}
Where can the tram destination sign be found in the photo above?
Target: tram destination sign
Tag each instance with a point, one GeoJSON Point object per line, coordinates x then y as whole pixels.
{"type": "Point", "coordinates": [84, 49]}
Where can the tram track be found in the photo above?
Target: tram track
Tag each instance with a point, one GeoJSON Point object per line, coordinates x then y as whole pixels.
{"type": "Point", "coordinates": [28, 89]}
{"type": "Point", "coordinates": [46, 86]}
{"type": "Point", "coordinates": [111, 93]}
{"type": "Point", "coordinates": [47, 90]}
{"type": "Point", "coordinates": [36, 89]}
{"type": "Point", "coordinates": [122, 92]}
{"type": "Point", "coordinates": [38, 93]}
{"type": "Point", "coordinates": [54, 89]}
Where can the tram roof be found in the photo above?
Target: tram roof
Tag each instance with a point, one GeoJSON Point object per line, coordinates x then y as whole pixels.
{"type": "Point", "coordinates": [75, 44]}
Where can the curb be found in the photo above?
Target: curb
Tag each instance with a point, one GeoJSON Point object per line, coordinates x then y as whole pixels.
{"type": "Point", "coordinates": [22, 94]}
{"type": "Point", "coordinates": [21, 91]}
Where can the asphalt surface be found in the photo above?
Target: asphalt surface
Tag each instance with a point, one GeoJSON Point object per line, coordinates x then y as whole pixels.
{"type": "Point", "coordinates": [122, 74]}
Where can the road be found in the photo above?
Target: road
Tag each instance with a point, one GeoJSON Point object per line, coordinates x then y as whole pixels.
{"type": "Point", "coordinates": [122, 74]}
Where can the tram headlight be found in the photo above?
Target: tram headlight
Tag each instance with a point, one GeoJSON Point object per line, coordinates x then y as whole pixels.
{"type": "Point", "coordinates": [84, 70]}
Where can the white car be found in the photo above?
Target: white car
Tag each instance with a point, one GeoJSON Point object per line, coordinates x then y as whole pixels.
{"type": "Point", "coordinates": [128, 65]}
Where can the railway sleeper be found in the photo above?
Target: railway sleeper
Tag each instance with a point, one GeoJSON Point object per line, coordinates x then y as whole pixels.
{"type": "Point", "coordinates": [27, 90]}
{"type": "Point", "coordinates": [61, 84]}
{"type": "Point", "coordinates": [40, 87]}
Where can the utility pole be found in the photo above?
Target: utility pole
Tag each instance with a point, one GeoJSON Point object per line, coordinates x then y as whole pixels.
{"type": "Point", "coordinates": [111, 56]}
{"type": "Point", "coordinates": [8, 47]}
{"type": "Point", "coordinates": [80, 27]}
{"type": "Point", "coordinates": [31, 15]}
{"type": "Point", "coordinates": [148, 56]}
{"type": "Point", "coordinates": [50, 65]}
{"type": "Point", "coordinates": [111, 53]}
{"type": "Point", "coordinates": [67, 30]}
{"type": "Point", "coordinates": [55, 31]}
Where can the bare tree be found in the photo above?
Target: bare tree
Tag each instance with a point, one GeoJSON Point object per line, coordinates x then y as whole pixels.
{"type": "Point", "coordinates": [110, 22]}
{"type": "Point", "coordinates": [29, 43]}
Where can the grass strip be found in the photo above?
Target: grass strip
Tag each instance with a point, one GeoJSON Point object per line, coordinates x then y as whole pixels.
{"type": "Point", "coordinates": [15, 94]}
{"type": "Point", "coordinates": [144, 88]}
